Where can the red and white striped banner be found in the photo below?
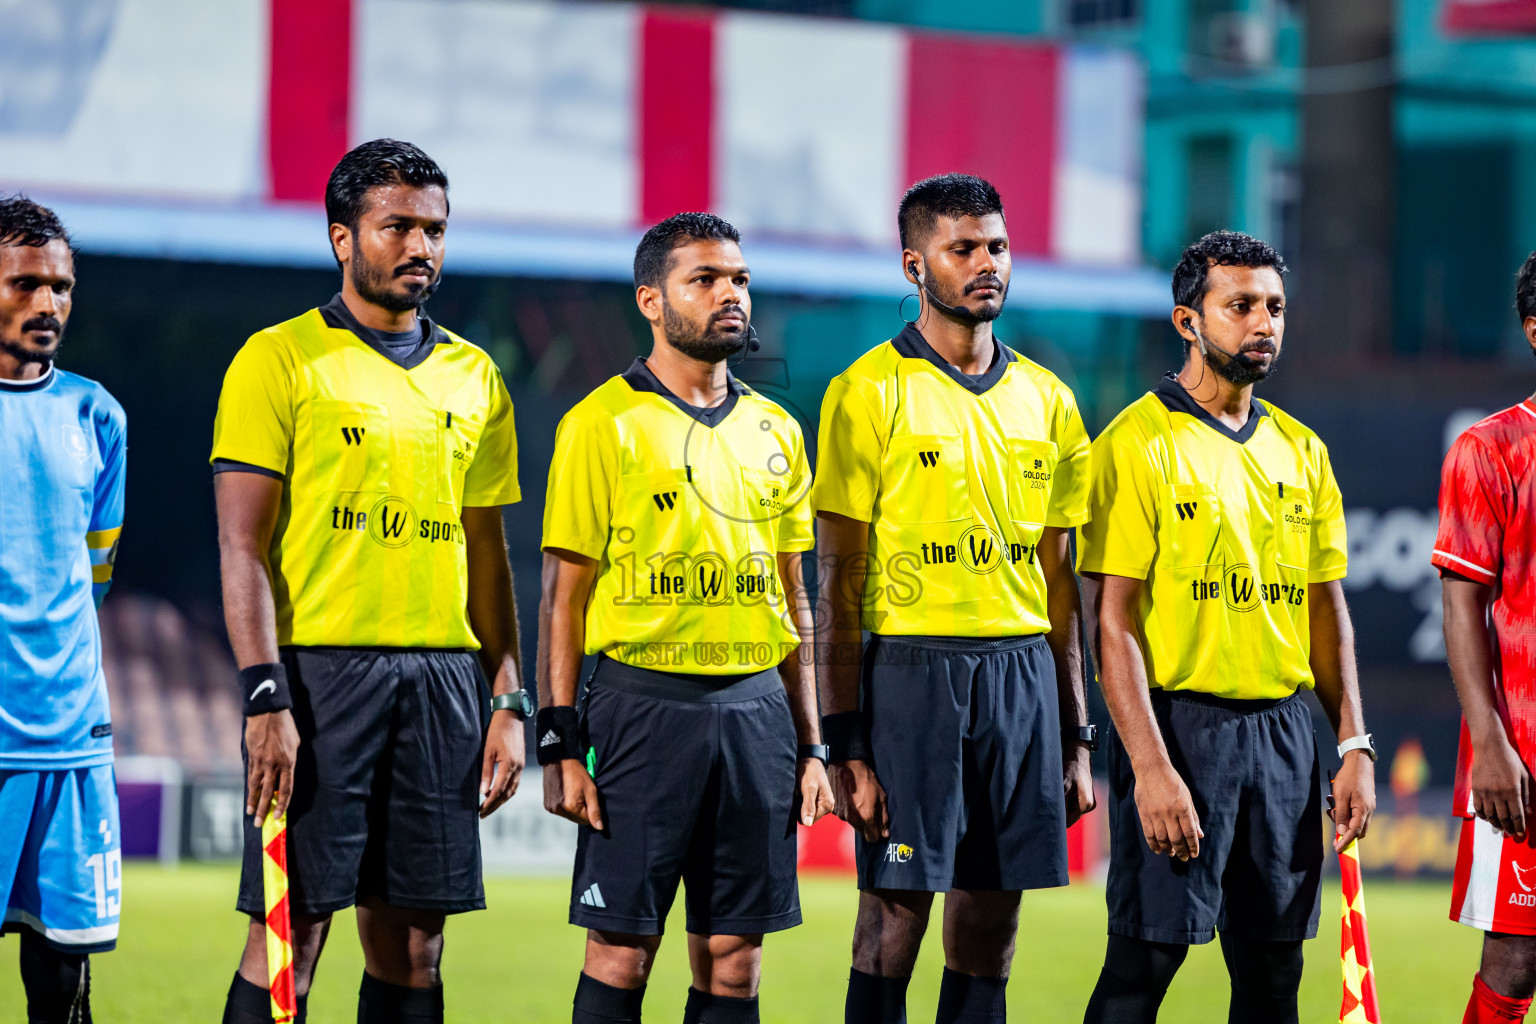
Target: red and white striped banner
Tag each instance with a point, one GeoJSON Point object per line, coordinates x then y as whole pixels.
{"type": "Point", "coordinates": [606, 116]}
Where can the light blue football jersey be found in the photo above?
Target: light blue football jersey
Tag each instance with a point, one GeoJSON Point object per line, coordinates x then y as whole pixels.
{"type": "Point", "coordinates": [62, 451]}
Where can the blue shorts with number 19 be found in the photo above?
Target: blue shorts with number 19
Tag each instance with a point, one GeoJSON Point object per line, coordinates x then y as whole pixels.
{"type": "Point", "coordinates": [61, 859]}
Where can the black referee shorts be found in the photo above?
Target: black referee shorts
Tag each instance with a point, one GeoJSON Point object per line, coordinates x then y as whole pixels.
{"type": "Point", "coordinates": [966, 738]}
{"type": "Point", "coordinates": [386, 790]}
{"type": "Point", "coordinates": [1252, 769]}
{"type": "Point", "coordinates": [696, 775]}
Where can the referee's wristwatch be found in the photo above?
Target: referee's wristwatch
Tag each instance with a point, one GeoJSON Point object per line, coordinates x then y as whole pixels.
{"type": "Point", "coordinates": [1361, 742]}
{"type": "Point", "coordinates": [1088, 735]}
{"type": "Point", "coordinates": [518, 702]}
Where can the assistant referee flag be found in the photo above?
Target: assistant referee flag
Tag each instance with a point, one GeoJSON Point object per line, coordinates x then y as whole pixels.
{"type": "Point", "coordinates": [378, 462]}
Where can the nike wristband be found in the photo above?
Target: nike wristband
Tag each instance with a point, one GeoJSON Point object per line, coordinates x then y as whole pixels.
{"type": "Point", "coordinates": [559, 735]}
{"type": "Point", "coordinates": [265, 689]}
{"type": "Point", "coordinates": [846, 736]}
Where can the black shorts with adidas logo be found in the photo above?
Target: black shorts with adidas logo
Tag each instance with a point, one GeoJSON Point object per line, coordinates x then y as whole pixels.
{"type": "Point", "coordinates": [697, 780]}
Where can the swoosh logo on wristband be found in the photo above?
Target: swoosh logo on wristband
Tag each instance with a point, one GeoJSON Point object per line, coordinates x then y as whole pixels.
{"type": "Point", "coordinates": [269, 684]}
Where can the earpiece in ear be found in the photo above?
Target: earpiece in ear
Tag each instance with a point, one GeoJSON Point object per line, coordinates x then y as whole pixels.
{"type": "Point", "coordinates": [912, 270]}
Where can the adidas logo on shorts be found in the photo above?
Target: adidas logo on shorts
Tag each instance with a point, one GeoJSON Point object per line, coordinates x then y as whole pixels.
{"type": "Point", "coordinates": [550, 739]}
{"type": "Point", "coordinates": [593, 897]}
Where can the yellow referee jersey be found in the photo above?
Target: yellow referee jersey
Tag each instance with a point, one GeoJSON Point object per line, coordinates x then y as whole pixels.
{"type": "Point", "coordinates": [958, 477]}
{"type": "Point", "coordinates": [377, 463]}
{"type": "Point", "coordinates": [1227, 528]}
{"type": "Point", "coordinates": [685, 510]}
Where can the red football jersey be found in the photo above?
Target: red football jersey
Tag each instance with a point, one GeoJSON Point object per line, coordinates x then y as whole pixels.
{"type": "Point", "coordinates": [1488, 534]}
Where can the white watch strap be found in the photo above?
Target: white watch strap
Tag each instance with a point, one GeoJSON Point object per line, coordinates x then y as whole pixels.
{"type": "Point", "coordinates": [1358, 743]}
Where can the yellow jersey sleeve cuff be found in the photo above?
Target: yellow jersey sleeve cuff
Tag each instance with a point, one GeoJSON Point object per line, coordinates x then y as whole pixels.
{"type": "Point", "coordinates": [506, 496]}
{"type": "Point", "coordinates": [586, 546]}
{"type": "Point", "coordinates": [1337, 572]}
{"type": "Point", "coordinates": [793, 547]}
{"type": "Point", "coordinates": [263, 459]}
{"type": "Point", "coordinates": [1065, 522]}
{"type": "Point", "coordinates": [838, 509]}
{"type": "Point", "coordinates": [1129, 571]}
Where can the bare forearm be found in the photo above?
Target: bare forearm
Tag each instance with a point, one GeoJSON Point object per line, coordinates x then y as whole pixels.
{"type": "Point", "coordinates": [1469, 650]}
{"type": "Point", "coordinates": [839, 626]}
{"type": "Point", "coordinates": [1065, 610]}
{"type": "Point", "coordinates": [1123, 674]}
{"type": "Point", "coordinates": [492, 601]}
{"type": "Point", "coordinates": [250, 613]}
{"type": "Point", "coordinates": [567, 584]}
{"type": "Point", "coordinates": [799, 669]}
{"type": "Point", "coordinates": [1335, 679]}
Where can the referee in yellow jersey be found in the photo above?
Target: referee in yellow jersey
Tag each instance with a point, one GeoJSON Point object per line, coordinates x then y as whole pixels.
{"type": "Point", "coordinates": [362, 456]}
{"type": "Point", "coordinates": [1213, 560]}
{"type": "Point", "coordinates": [951, 470]}
{"type": "Point", "coordinates": [673, 532]}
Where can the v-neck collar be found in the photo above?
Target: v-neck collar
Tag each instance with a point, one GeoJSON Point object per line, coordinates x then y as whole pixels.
{"type": "Point", "coordinates": [640, 377]}
{"type": "Point", "coordinates": [338, 317]}
{"type": "Point", "coordinates": [1172, 394]}
{"type": "Point", "coordinates": [911, 344]}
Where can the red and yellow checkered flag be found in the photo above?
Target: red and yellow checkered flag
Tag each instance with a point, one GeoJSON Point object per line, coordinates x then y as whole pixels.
{"type": "Point", "coordinates": [1359, 1006]}
{"type": "Point", "coordinates": [274, 876]}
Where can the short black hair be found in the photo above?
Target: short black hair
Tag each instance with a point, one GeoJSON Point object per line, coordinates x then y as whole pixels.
{"type": "Point", "coordinates": [1525, 289]}
{"type": "Point", "coordinates": [653, 256]}
{"type": "Point", "coordinates": [943, 195]}
{"type": "Point", "coordinates": [380, 162]}
{"type": "Point", "coordinates": [23, 222]}
{"type": "Point", "coordinates": [1219, 249]}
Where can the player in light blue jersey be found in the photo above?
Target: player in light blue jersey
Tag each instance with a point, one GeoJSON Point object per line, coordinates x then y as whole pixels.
{"type": "Point", "coordinates": [62, 446]}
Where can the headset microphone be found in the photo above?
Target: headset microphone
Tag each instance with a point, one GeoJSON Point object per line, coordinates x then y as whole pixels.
{"type": "Point", "coordinates": [752, 343]}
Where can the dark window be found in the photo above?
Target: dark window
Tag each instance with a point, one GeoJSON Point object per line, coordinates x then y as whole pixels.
{"type": "Point", "coordinates": [1102, 12]}
{"type": "Point", "coordinates": [1207, 185]}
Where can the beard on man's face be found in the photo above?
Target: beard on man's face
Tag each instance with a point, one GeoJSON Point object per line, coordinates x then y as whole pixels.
{"type": "Point", "coordinates": [20, 349]}
{"type": "Point", "coordinates": [955, 301]}
{"type": "Point", "coordinates": [1243, 369]}
{"type": "Point", "coordinates": [380, 284]}
{"type": "Point", "coordinates": [709, 342]}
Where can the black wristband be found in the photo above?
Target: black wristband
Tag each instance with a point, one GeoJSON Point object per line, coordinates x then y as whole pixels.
{"type": "Point", "coordinates": [819, 751]}
{"type": "Point", "coordinates": [264, 689]}
{"type": "Point", "coordinates": [559, 735]}
{"type": "Point", "coordinates": [846, 736]}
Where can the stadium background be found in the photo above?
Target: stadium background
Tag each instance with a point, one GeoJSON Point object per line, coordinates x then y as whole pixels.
{"type": "Point", "coordinates": [1388, 149]}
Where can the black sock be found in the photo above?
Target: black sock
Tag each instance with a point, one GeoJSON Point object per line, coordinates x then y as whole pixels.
{"type": "Point", "coordinates": [252, 1004]}
{"type": "Point", "coordinates": [1265, 977]}
{"type": "Point", "coordinates": [58, 985]}
{"type": "Point", "coordinates": [967, 1000]}
{"type": "Point", "coordinates": [1134, 980]}
{"type": "Point", "coordinates": [707, 1008]}
{"type": "Point", "coordinates": [597, 1003]}
{"type": "Point", "coordinates": [875, 1000]}
{"type": "Point", "coordinates": [379, 1002]}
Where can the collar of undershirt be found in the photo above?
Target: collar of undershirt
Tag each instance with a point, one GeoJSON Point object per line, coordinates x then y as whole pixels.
{"type": "Point", "coordinates": [911, 344]}
{"type": "Point", "coordinates": [640, 378]}
{"type": "Point", "coordinates": [337, 316]}
{"type": "Point", "coordinates": [1172, 394]}
{"type": "Point", "coordinates": [35, 384]}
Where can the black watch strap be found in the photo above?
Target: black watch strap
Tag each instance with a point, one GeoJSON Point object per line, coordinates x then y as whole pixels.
{"type": "Point", "coordinates": [559, 735]}
{"type": "Point", "coordinates": [820, 751]}
{"type": "Point", "coordinates": [1088, 735]}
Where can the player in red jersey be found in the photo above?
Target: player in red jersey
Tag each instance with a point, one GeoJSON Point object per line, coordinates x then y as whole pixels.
{"type": "Point", "coordinates": [1486, 553]}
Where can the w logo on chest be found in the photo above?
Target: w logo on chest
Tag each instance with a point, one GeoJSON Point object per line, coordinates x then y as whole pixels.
{"type": "Point", "coordinates": [353, 435]}
{"type": "Point", "coordinates": [1187, 509]}
{"type": "Point", "coordinates": [929, 458]}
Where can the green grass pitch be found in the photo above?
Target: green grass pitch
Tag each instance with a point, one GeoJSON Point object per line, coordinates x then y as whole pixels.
{"type": "Point", "coordinates": [518, 960]}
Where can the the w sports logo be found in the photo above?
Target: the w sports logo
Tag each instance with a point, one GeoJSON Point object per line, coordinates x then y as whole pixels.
{"type": "Point", "coordinates": [929, 458]}
{"type": "Point", "coordinates": [1187, 509]}
{"type": "Point", "coordinates": [353, 435]}
{"type": "Point", "coordinates": [665, 500]}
